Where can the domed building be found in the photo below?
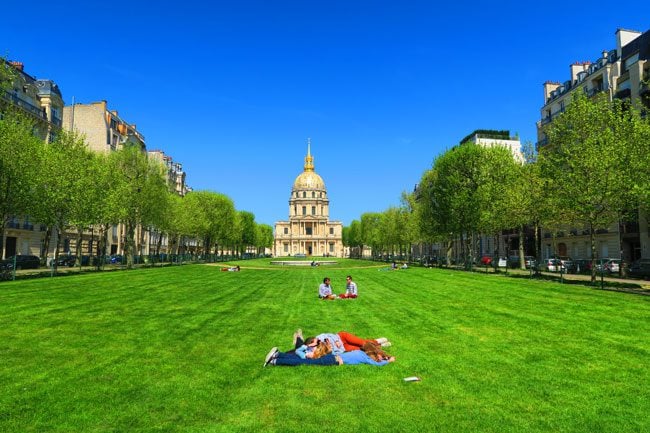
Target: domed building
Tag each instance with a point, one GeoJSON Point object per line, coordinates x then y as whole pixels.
{"type": "Point", "coordinates": [309, 230]}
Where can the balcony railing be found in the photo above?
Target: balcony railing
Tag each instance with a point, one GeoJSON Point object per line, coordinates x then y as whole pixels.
{"type": "Point", "coordinates": [593, 91]}
{"type": "Point", "coordinates": [36, 111]}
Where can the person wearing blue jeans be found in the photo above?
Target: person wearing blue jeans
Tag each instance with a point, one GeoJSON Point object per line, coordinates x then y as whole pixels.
{"type": "Point", "coordinates": [290, 358]}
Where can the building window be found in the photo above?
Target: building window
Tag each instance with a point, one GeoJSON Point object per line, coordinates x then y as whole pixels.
{"type": "Point", "coordinates": [331, 230]}
{"type": "Point", "coordinates": [304, 210]}
{"type": "Point", "coordinates": [308, 231]}
{"type": "Point", "coordinates": [331, 247]}
{"type": "Point", "coordinates": [304, 194]}
{"type": "Point", "coordinates": [286, 230]}
{"type": "Point", "coordinates": [313, 194]}
{"type": "Point", "coordinates": [313, 210]}
{"type": "Point", "coordinates": [286, 248]}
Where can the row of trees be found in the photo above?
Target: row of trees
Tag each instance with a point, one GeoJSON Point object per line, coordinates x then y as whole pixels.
{"type": "Point", "coordinates": [65, 186]}
{"type": "Point", "coordinates": [594, 172]}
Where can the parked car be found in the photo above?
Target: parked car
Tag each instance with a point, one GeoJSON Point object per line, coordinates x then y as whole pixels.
{"type": "Point", "coordinates": [553, 265]}
{"type": "Point", "coordinates": [640, 268]}
{"type": "Point", "coordinates": [610, 266]}
{"type": "Point", "coordinates": [568, 265]}
{"type": "Point", "coordinates": [530, 262]}
{"type": "Point", "coordinates": [115, 258]}
{"type": "Point", "coordinates": [68, 260]}
{"type": "Point", "coordinates": [582, 266]}
{"type": "Point", "coordinates": [22, 262]}
{"type": "Point", "coordinates": [514, 261]}
{"type": "Point", "coordinates": [486, 260]}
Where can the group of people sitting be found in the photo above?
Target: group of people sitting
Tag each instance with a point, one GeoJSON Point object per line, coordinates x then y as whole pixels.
{"type": "Point", "coordinates": [332, 349]}
{"type": "Point", "coordinates": [325, 290]}
{"type": "Point", "coordinates": [231, 269]}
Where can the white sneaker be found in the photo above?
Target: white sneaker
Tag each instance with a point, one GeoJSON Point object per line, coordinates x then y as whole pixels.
{"type": "Point", "coordinates": [381, 340]}
{"type": "Point", "coordinates": [386, 344]}
{"type": "Point", "coordinates": [270, 356]}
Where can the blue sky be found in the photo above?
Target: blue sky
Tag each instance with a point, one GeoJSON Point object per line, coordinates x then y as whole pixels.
{"type": "Point", "coordinates": [232, 90]}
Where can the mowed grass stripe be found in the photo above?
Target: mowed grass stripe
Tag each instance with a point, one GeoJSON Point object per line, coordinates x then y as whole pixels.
{"type": "Point", "coordinates": [181, 348]}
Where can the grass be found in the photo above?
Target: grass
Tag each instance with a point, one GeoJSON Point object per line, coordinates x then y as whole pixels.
{"type": "Point", "coordinates": [180, 349]}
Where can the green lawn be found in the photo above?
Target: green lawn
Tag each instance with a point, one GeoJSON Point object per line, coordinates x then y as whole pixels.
{"type": "Point", "coordinates": [180, 349]}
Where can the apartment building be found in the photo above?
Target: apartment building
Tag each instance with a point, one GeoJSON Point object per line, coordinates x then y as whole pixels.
{"type": "Point", "coordinates": [622, 72]}
{"type": "Point", "coordinates": [40, 99]}
{"type": "Point", "coordinates": [173, 172]}
{"type": "Point", "coordinates": [104, 129]}
{"type": "Point", "coordinates": [175, 176]}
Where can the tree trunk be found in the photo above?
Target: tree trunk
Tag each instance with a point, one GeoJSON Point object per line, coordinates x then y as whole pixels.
{"type": "Point", "coordinates": [129, 243]}
{"type": "Point", "coordinates": [46, 244]}
{"type": "Point", "coordinates": [80, 234]}
{"type": "Point", "coordinates": [450, 244]}
{"type": "Point", "coordinates": [592, 240]}
{"type": "Point", "coordinates": [522, 260]}
{"type": "Point", "coordinates": [3, 238]}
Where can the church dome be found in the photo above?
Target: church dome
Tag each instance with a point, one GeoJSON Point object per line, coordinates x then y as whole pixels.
{"type": "Point", "coordinates": [308, 179]}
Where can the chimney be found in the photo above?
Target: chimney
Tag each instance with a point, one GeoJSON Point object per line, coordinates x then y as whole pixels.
{"type": "Point", "coordinates": [577, 67]}
{"type": "Point", "coordinates": [17, 65]}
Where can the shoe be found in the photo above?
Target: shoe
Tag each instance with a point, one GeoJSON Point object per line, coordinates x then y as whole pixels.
{"type": "Point", "coordinates": [381, 340]}
{"type": "Point", "coordinates": [386, 344]}
{"type": "Point", "coordinates": [270, 356]}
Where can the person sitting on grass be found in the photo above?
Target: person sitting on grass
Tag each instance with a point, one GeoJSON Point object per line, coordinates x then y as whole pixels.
{"type": "Point", "coordinates": [350, 289]}
{"type": "Point", "coordinates": [325, 290]}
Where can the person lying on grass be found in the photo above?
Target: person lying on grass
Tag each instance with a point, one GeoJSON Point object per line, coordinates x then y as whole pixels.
{"type": "Point", "coordinates": [338, 343]}
{"type": "Point", "coordinates": [370, 353]}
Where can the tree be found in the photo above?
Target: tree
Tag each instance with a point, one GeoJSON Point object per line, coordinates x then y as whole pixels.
{"type": "Point", "coordinates": [248, 231]}
{"type": "Point", "coordinates": [588, 160]}
{"type": "Point", "coordinates": [211, 217]}
{"type": "Point", "coordinates": [136, 193]}
{"type": "Point", "coordinates": [63, 190]}
{"type": "Point", "coordinates": [451, 199]}
{"type": "Point", "coordinates": [20, 153]}
{"type": "Point", "coordinates": [352, 238]}
{"type": "Point", "coordinates": [264, 237]}
{"type": "Point", "coordinates": [370, 226]}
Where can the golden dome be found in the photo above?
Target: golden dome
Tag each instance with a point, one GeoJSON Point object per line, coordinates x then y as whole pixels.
{"type": "Point", "coordinates": [308, 179]}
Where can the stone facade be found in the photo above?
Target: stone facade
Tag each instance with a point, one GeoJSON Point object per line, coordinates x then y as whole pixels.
{"type": "Point", "coordinates": [622, 72]}
{"type": "Point", "coordinates": [309, 230]}
{"type": "Point", "coordinates": [41, 100]}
